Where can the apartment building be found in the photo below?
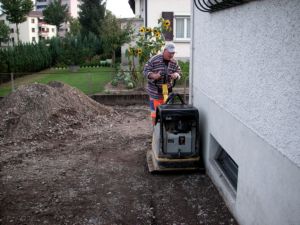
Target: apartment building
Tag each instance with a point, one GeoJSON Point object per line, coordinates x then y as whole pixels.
{"type": "Point", "coordinates": [73, 6]}
{"type": "Point", "coordinates": [73, 10]}
{"type": "Point", "coordinates": [32, 30]}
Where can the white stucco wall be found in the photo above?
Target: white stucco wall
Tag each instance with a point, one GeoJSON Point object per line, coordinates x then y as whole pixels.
{"type": "Point", "coordinates": [179, 7]}
{"type": "Point", "coordinates": [246, 80]}
{"type": "Point", "coordinates": [136, 24]}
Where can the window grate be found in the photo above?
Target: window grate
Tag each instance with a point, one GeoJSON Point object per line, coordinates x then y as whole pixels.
{"type": "Point", "coordinates": [228, 166]}
{"type": "Point", "coordinates": [213, 5]}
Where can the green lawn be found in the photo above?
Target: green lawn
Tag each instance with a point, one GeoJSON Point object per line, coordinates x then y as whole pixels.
{"type": "Point", "coordinates": [88, 80]}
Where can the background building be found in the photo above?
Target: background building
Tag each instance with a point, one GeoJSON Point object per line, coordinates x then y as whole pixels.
{"type": "Point", "coordinates": [177, 11]}
{"type": "Point", "coordinates": [73, 10]}
{"type": "Point", "coordinates": [32, 30]}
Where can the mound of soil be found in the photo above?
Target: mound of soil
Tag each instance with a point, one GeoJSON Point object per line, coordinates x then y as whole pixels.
{"type": "Point", "coordinates": [39, 109]}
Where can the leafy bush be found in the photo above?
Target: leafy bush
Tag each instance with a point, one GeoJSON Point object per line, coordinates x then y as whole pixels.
{"type": "Point", "coordinates": [124, 78]}
{"type": "Point", "coordinates": [185, 68]}
{"type": "Point", "coordinates": [75, 50]}
{"type": "Point", "coordinates": [23, 59]}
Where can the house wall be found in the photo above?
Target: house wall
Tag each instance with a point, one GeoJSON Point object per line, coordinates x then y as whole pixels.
{"type": "Point", "coordinates": [246, 81]}
{"type": "Point", "coordinates": [73, 6]}
{"type": "Point", "coordinates": [25, 30]}
{"type": "Point", "coordinates": [136, 24]}
{"type": "Point", "coordinates": [154, 12]}
{"type": "Point", "coordinates": [179, 7]}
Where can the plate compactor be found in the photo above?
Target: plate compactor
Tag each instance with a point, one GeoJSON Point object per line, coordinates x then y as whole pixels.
{"type": "Point", "coordinates": [175, 140]}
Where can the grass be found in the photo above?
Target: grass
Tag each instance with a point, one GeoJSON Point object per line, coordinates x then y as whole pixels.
{"type": "Point", "coordinates": [88, 80]}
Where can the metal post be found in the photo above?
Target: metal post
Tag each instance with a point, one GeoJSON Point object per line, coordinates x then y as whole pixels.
{"type": "Point", "coordinates": [12, 82]}
{"type": "Point", "coordinates": [90, 83]}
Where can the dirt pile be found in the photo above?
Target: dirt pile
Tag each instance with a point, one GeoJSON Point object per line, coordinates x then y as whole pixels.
{"type": "Point", "coordinates": [37, 111]}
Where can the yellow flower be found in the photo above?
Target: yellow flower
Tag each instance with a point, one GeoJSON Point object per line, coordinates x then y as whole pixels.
{"type": "Point", "coordinates": [157, 34]}
{"type": "Point", "coordinates": [139, 51]}
{"type": "Point", "coordinates": [167, 23]}
{"type": "Point", "coordinates": [142, 29]}
{"type": "Point", "coordinates": [148, 29]}
{"type": "Point", "coordinates": [155, 30]}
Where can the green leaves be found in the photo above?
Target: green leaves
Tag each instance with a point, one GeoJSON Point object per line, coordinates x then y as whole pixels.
{"type": "Point", "coordinates": [25, 58]}
{"type": "Point", "coordinates": [4, 33]}
{"type": "Point", "coordinates": [149, 42]}
{"type": "Point", "coordinates": [113, 36]}
{"type": "Point", "coordinates": [56, 13]}
{"type": "Point", "coordinates": [91, 16]}
{"type": "Point", "coordinates": [16, 11]}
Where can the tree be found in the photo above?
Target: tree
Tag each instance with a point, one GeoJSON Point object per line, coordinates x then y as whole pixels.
{"type": "Point", "coordinates": [4, 33]}
{"type": "Point", "coordinates": [16, 11]}
{"type": "Point", "coordinates": [91, 16]}
{"type": "Point", "coordinates": [75, 27]}
{"type": "Point", "coordinates": [113, 36]}
{"type": "Point", "coordinates": [56, 13]}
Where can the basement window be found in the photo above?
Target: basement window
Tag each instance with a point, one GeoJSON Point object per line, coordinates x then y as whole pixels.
{"type": "Point", "coordinates": [228, 166]}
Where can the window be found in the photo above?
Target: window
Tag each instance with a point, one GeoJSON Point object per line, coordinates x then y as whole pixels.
{"type": "Point", "coordinates": [52, 30]}
{"type": "Point", "coordinates": [228, 166]}
{"type": "Point", "coordinates": [33, 30]}
{"type": "Point", "coordinates": [33, 39]}
{"type": "Point", "coordinates": [12, 30]}
{"type": "Point", "coordinates": [41, 6]}
{"type": "Point", "coordinates": [182, 28]}
{"type": "Point", "coordinates": [32, 20]}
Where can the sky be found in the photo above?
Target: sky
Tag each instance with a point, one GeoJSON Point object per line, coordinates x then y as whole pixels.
{"type": "Point", "coordinates": [120, 8]}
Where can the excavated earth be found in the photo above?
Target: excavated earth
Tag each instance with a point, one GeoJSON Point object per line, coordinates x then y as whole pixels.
{"type": "Point", "coordinates": [66, 159]}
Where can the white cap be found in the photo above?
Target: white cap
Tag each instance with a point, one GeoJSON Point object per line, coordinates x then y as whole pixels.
{"type": "Point", "coordinates": [170, 47]}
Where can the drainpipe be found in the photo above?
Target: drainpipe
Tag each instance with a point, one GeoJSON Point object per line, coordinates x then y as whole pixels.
{"type": "Point", "coordinates": [191, 76]}
{"type": "Point", "coordinates": [146, 13]}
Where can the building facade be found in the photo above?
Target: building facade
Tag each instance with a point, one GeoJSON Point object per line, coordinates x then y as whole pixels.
{"type": "Point", "coordinates": [73, 10]}
{"type": "Point", "coordinates": [177, 11]}
{"type": "Point", "coordinates": [245, 81]}
{"type": "Point", "coordinates": [32, 30]}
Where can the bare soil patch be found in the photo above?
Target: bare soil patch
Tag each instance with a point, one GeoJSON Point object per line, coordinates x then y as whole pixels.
{"type": "Point", "coordinates": [66, 159]}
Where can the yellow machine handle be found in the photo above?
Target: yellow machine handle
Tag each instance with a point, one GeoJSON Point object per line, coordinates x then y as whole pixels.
{"type": "Point", "coordinates": [165, 92]}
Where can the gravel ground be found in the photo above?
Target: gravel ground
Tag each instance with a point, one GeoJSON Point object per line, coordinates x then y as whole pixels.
{"type": "Point", "coordinates": [68, 160]}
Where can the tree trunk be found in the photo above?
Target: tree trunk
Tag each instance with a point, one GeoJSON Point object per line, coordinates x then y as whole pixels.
{"type": "Point", "coordinates": [18, 38]}
{"type": "Point", "coordinates": [113, 58]}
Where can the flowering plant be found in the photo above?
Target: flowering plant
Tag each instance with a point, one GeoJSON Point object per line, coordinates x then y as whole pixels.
{"type": "Point", "coordinates": [149, 42]}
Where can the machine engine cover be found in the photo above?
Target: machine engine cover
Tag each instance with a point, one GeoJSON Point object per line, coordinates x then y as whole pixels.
{"type": "Point", "coordinates": [179, 143]}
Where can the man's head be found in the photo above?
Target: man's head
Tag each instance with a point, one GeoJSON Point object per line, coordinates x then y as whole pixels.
{"type": "Point", "coordinates": [169, 51]}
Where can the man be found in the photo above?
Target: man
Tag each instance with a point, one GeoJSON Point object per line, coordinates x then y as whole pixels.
{"type": "Point", "coordinates": [161, 68]}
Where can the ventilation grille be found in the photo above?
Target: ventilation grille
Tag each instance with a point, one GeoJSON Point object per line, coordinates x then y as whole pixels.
{"type": "Point", "coordinates": [228, 166]}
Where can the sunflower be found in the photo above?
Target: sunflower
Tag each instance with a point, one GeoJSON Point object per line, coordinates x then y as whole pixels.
{"type": "Point", "coordinates": [157, 34]}
{"type": "Point", "coordinates": [139, 51]}
{"type": "Point", "coordinates": [148, 29]}
{"type": "Point", "coordinates": [155, 30]}
{"type": "Point", "coordinates": [167, 23]}
{"type": "Point", "coordinates": [142, 29]}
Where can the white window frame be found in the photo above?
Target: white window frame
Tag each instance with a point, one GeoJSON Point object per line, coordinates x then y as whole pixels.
{"type": "Point", "coordinates": [185, 17]}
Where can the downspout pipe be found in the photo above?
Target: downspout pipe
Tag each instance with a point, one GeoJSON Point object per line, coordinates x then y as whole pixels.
{"type": "Point", "coordinates": [146, 13]}
{"type": "Point", "coordinates": [192, 55]}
